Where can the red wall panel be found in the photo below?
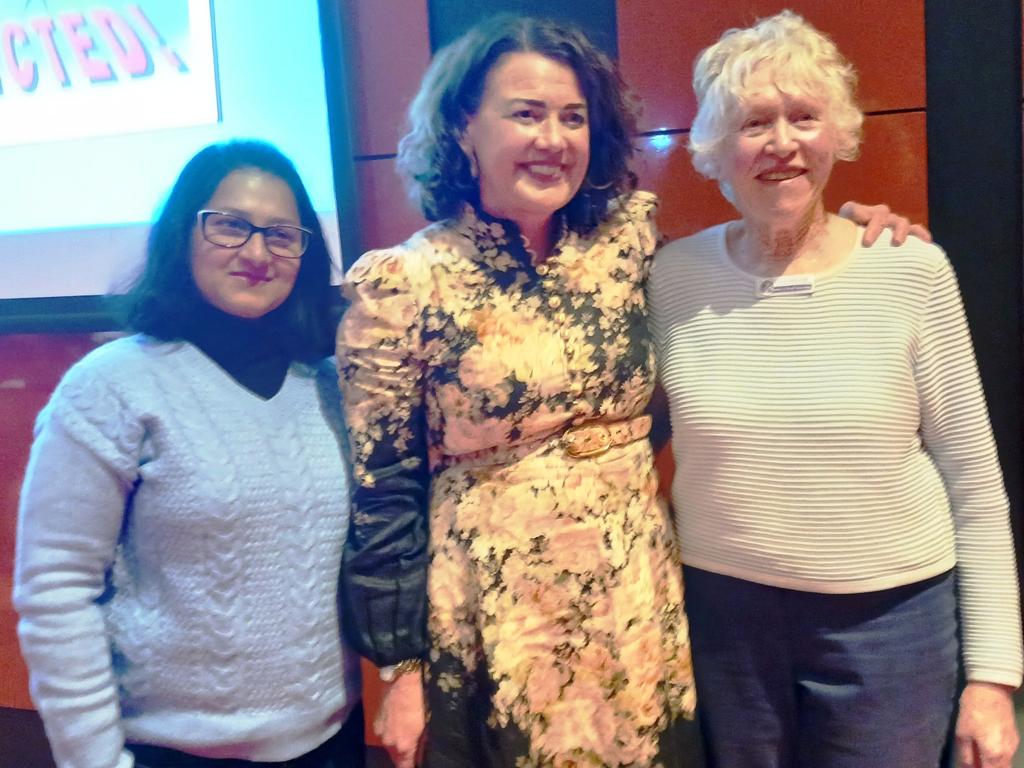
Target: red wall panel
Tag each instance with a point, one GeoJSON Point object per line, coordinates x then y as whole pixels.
{"type": "Point", "coordinates": [30, 367]}
{"type": "Point", "coordinates": [658, 41]}
{"type": "Point", "coordinates": [689, 202]}
{"type": "Point", "coordinates": [390, 50]}
{"type": "Point", "coordinates": [892, 169]}
{"type": "Point", "coordinates": [388, 216]}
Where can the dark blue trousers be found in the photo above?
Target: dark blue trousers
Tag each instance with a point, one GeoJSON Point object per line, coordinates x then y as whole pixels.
{"type": "Point", "coordinates": [791, 679]}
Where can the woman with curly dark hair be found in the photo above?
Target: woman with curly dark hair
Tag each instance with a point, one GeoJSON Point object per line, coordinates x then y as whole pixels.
{"type": "Point", "coordinates": [496, 367]}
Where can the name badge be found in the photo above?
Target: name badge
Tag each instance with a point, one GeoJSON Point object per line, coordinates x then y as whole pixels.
{"type": "Point", "coordinates": [784, 285]}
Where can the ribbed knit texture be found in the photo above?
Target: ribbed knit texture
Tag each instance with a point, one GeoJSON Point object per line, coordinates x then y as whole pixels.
{"type": "Point", "coordinates": [836, 441]}
{"type": "Point", "coordinates": [206, 613]}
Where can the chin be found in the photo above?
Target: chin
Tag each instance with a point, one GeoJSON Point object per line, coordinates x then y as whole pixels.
{"type": "Point", "coordinates": [249, 311]}
{"type": "Point", "coordinates": [783, 212]}
{"type": "Point", "coordinates": [550, 198]}
{"type": "Point", "coordinates": [548, 205]}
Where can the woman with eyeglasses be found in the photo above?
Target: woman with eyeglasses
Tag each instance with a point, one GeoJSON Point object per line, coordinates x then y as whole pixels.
{"type": "Point", "coordinates": [184, 507]}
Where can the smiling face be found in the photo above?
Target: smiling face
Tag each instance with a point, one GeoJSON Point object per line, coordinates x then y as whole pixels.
{"type": "Point", "coordinates": [247, 281]}
{"type": "Point", "coordinates": [530, 139]}
{"type": "Point", "coordinates": [779, 159]}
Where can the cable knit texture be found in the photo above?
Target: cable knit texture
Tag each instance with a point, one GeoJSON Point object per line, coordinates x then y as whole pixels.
{"type": "Point", "coordinates": [178, 553]}
{"type": "Point", "coordinates": [837, 440]}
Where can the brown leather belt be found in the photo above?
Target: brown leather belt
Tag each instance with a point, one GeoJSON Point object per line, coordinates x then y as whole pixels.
{"type": "Point", "coordinates": [594, 438]}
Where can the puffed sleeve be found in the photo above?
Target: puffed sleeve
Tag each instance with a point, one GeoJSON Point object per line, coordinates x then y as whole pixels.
{"type": "Point", "coordinates": [956, 432]}
{"type": "Point", "coordinates": [381, 373]}
{"type": "Point", "coordinates": [81, 469]}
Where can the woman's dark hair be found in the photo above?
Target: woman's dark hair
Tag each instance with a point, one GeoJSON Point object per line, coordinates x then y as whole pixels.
{"type": "Point", "coordinates": [430, 156]}
{"type": "Point", "coordinates": [164, 297]}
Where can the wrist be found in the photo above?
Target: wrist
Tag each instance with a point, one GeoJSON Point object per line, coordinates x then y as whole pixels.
{"type": "Point", "coordinates": [992, 686]}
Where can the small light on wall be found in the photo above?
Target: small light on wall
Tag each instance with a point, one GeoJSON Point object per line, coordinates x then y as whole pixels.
{"type": "Point", "coordinates": [661, 142]}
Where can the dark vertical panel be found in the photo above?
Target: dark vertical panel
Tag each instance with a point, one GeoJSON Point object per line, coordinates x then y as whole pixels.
{"type": "Point", "coordinates": [24, 743]}
{"type": "Point", "coordinates": [974, 193]}
{"type": "Point", "coordinates": [450, 18]}
{"type": "Point", "coordinates": [335, 46]}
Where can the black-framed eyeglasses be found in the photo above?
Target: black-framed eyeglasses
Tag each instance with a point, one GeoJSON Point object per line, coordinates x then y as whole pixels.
{"type": "Point", "coordinates": [230, 231]}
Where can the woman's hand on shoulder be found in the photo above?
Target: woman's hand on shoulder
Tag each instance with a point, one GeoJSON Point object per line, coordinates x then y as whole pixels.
{"type": "Point", "coordinates": [401, 720]}
{"type": "Point", "coordinates": [876, 218]}
{"type": "Point", "coordinates": [986, 732]}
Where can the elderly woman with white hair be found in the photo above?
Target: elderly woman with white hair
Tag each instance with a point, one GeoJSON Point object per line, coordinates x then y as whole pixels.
{"type": "Point", "coordinates": [838, 496]}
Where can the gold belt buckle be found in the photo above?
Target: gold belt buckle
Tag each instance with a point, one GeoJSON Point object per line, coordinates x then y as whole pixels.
{"type": "Point", "coordinates": [586, 440]}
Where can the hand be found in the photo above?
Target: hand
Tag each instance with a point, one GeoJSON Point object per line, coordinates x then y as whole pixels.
{"type": "Point", "coordinates": [401, 720]}
{"type": "Point", "coordinates": [986, 734]}
{"type": "Point", "coordinates": [876, 218]}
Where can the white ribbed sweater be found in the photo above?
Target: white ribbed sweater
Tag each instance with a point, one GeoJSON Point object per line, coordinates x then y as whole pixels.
{"type": "Point", "coordinates": [178, 553]}
{"type": "Point", "coordinates": [836, 440]}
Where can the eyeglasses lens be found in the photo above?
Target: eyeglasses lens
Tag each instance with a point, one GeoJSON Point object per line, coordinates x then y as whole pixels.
{"type": "Point", "coordinates": [232, 232]}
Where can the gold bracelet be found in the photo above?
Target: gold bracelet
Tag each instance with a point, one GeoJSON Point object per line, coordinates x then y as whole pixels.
{"type": "Point", "coordinates": [392, 672]}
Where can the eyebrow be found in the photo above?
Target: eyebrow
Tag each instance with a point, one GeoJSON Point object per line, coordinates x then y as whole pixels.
{"type": "Point", "coordinates": [541, 103]}
{"type": "Point", "coordinates": [240, 214]}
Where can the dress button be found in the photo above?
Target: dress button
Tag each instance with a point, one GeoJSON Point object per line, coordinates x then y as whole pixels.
{"type": "Point", "coordinates": [542, 269]}
{"type": "Point", "coordinates": [554, 302]}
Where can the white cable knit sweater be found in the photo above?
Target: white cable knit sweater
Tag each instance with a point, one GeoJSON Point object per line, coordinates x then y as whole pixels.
{"type": "Point", "coordinates": [178, 552]}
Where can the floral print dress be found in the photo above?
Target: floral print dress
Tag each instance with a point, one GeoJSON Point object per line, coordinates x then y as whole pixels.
{"type": "Point", "coordinates": [553, 631]}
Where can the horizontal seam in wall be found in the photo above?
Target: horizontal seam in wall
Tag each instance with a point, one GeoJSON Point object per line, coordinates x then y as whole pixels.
{"type": "Point", "coordinates": [361, 158]}
{"type": "Point", "coordinates": [901, 111]}
{"type": "Point", "coordinates": [673, 131]}
{"type": "Point", "coordinates": [878, 113]}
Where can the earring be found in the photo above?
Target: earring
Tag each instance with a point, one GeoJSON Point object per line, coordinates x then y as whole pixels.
{"type": "Point", "coordinates": [467, 150]}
